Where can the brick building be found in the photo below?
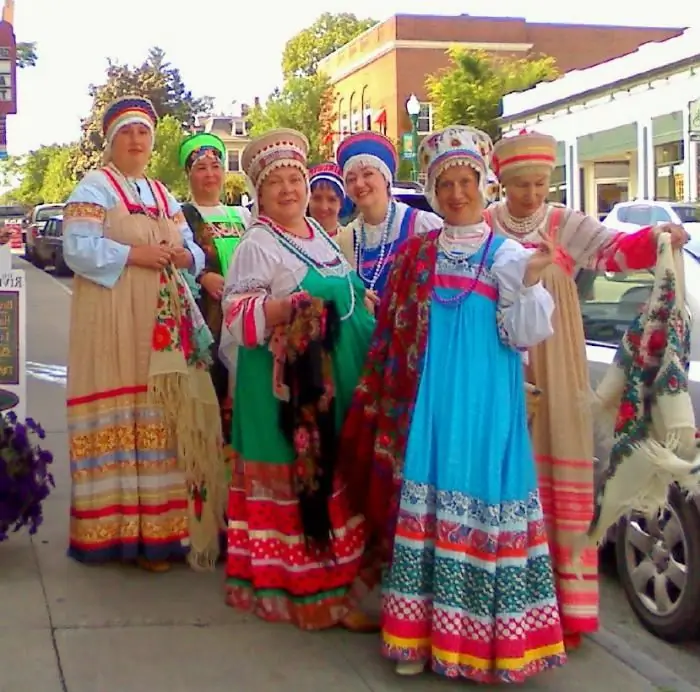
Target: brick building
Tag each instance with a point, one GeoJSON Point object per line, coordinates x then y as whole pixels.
{"type": "Point", "coordinates": [375, 74]}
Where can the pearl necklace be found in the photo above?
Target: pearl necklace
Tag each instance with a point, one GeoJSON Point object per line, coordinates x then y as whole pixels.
{"type": "Point", "coordinates": [332, 268]}
{"type": "Point", "coordinates": [459, 259]}
{"type": "Point", "coordinates": [379, 264]}
{"type": "Point", "coordinates": [521, 228]}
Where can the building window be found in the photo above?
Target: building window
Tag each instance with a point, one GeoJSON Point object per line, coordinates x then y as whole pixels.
{"type": "Point", "coordinates": [234, 161]}
{"type": "Point", "coordinates": [355, 122]}
{"type": "Point", "coordinates": [344, 124]}
{"type": "Point", "coordinates": [425, 119]}
{"type": "Point", "coordinates": [367, 116]}
{"type": "Point", "coordinates": [239, 128]}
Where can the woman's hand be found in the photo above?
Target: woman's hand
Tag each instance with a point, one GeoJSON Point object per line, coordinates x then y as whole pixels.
{"type": "Point", "coordinates": [149, 256]}
{"type": "Point", "coordinates": [281, 310]}
{"type": "Point", "coordinates": [539, 261]}
{"type": "Point", "coordinates": [213, 284]}
{"type": "Point", "coordinates": [181, 257]}
{"type": "Point", "coordinates": [679, 236]}
{"type": "Point", "coordinates": [371, 301]}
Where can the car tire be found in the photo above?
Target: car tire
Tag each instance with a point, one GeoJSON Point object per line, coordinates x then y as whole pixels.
{"type": "Point", "coordinates": [60, 267]}
{"type": "Point", "coordinates": [651, 556]}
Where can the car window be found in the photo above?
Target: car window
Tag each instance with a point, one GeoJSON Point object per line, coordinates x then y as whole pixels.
{"type": "Point", "coordinates": [47, 228]}
{"type": "Point", "coordinates": [639, 214]}
{"type": "Point", "coordinates": [621, 213]}
{"type": "Point", "coordinates": [660, 215]}
{"type": "Point", "coordinates": [418, 201]}
{"type": "Point", "coordinates": [688, 214]}
{"type": "Point", "coordinates": [47, 212]}
{"type": "Point", "coordinates": [609, 302]}
{"type": "Point", "coordinates": [59, 229]}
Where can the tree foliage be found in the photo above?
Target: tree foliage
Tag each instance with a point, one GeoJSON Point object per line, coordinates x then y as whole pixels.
{"type": "Point", "coordinates": [49, 173]}
{"type": "Point", "coordinates": [304, 104]}
{"type": "Point", "coordinates": [164, 164]}
{"type": "Point", "coordinates": [26, 54]}
{"type": "Point", "coordinates": [471, 89]}
{"type": "Point", "coordinates": [155, 79]}
{"type": "Point", "coordinates": [305, 50]}
{"type": "Point", "coordinates": [234, 188]}
{"type": "Point", "coordinates": [42, 175]}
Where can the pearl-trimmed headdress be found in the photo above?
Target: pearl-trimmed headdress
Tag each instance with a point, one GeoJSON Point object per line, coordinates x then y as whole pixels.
{"type": "Point", "coordinates": [457, 145]}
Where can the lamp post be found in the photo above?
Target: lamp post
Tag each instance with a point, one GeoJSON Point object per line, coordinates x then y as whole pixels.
{"type": "Point", "coordinates": [413, 110]}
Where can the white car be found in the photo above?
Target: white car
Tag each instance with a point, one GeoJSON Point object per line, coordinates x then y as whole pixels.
{"type": "Point", "coordinates": [631, 216]}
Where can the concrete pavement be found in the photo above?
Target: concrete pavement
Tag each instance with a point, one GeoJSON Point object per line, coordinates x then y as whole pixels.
{"type": "Point", "coordinates": [67, 627]}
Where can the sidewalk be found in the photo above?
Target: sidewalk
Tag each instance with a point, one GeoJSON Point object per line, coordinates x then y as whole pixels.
{"type": "Point", "coordinates": [67, 627]}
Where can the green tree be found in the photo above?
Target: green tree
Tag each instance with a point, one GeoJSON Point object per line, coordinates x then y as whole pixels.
{"type": "Point", "coordinates": [164, 164]}
{"type": "Point", "coordinates": [155, 79]}
{"type": "Point", "coordinates": [38, 174]}
{"type": "Point", "coordinates": [235, 187]}
{"type": "Point", "coordinates": [471, 89]}
{"type": "Point", "coordinates": [303, 103]}
{"type": "Point", "coordinates": [305, 50]}
{"type": "Point", "coordinates": [26, 54]}
{"type": "Point", "coordinates": [58, 181]}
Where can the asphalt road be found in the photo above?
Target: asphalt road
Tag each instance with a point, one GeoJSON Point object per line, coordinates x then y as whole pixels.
{"type": "Point", "coordinates": [619, 622]}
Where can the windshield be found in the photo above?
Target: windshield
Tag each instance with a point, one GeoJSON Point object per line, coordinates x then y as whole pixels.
{"type": "Point", "coordinates": [688, 214]}
{"type": "Point", "coordinates": [47, 212]}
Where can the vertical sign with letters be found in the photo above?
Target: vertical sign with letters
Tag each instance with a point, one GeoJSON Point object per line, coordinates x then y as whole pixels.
{"type": "Point", "coordinates": [13, 329]}
{"type": "Point", "coordinates": [8, 81]}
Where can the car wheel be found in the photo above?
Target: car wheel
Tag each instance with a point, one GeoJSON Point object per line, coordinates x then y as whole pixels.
{"type": "Point", "coordinates": [59, 265]}
{"type": "Point", "coordinates": [658, 561]}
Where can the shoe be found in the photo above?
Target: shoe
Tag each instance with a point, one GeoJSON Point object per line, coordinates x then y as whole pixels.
{"type": "Point", "coordinates": [407, 668]}
{"type": "Point", "coordinates": [157, 566]}
{"type": "Point", "coordinates": [357, 621]}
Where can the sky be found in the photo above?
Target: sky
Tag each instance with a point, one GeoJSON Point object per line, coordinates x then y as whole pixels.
{"type": "Point", "coordinates": [228, 49]}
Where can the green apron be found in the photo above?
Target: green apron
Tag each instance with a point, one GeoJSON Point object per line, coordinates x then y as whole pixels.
{"type": "Point", "coordinates": [256, 434]}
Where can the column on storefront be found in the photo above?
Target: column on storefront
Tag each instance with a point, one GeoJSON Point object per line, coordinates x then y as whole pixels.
{"type": "Point", "coordinates": [691, 129]}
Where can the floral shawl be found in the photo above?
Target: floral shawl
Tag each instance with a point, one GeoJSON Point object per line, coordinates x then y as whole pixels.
{"type": "Point", "coordinates": [375, 434]}
{"type": "Point", "coordinates": [644, 397]}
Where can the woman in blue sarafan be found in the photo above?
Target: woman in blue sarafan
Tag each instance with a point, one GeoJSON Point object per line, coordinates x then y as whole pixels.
{"type": "Point", "coordinates": [369, 162]}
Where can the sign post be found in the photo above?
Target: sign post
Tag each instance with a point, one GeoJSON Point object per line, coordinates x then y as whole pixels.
{"type": "Point", "coordinates": [8, 80]}
{"type": "Point", "coordinates": [13, 337]}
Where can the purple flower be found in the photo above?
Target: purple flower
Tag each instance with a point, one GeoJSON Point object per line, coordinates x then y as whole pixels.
{"type": "Point", "coordinates": [25, 481]}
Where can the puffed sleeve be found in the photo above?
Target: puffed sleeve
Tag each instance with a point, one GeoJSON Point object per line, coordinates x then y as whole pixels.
{"type": "Point", "coordinates": [427, 221]}
{"type": "Point", "coordinates": [595, 246]}
{"type": "Point", "coordinates": [524, 313]}
{"type": "Point", "coordinates": [86, 251]}
{"type": "Point", "coordinates": [175, 213]}
{"type": "Point", "coordinates": [247, 287]}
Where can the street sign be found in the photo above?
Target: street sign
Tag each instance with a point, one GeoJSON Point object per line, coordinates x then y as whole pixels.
{"type": "Point", "coordinates": [407, 146]}
{"type": "Point", "coordinates": [694, 120]}
{"type": "Point", "coordinates": [13, 337]}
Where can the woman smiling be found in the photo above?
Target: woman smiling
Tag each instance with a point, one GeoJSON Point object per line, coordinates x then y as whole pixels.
{"type": "Point", "coordinates": [295, 338]}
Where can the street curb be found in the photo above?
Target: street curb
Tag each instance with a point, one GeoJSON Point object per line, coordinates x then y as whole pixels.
{"type": "Point", "coordinates": [650, 669]}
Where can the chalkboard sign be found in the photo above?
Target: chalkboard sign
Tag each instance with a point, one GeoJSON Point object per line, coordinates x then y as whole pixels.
{"type": "Point", "coordinates": [9, 338]}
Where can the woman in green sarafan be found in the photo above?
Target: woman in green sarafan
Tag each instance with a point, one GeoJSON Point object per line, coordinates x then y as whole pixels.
{"type": "Point", "coordinates": [217, 229]}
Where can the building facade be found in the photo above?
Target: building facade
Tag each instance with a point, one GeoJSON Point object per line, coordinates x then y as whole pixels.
{"type": "Point", "coordinates": [375, 74]}
{"type": "Point", "coordinates": [626, 129]}
{"type": "Point", "coordinates": [234, 133]}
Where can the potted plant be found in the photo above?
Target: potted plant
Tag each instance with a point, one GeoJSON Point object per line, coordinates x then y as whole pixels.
{"type": "Point", "coordinates": [25, 479]}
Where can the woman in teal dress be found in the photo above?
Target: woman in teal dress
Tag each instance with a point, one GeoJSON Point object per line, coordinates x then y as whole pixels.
{"type": "Point", "coordinates": [295, 552]}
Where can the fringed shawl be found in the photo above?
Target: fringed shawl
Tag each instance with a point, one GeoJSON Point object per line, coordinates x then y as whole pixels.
{"type": "Point", "coordinates": [645, 393]}
{"type": "Point", "coordinates": [375, 434]}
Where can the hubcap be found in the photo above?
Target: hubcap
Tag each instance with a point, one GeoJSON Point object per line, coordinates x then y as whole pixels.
{"type": "Point", "coordinates": [655, 554]}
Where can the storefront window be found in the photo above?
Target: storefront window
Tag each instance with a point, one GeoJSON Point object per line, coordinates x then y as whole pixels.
{"type": "Point", "coordinates": [668, 164]}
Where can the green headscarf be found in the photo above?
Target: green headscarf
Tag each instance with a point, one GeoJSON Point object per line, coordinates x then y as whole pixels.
{"type": "Point", "coordinates": [196, 146]}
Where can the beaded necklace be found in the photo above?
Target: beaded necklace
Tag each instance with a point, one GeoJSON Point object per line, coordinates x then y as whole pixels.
{"type": "Point", "coordinates": [460, 259]}
{"type": "Point", "coordinates": [331, 268]}
{"type": "Point", "coordinates": [520, 228]}
{"type": "Point", "coordinates": [381, 261]}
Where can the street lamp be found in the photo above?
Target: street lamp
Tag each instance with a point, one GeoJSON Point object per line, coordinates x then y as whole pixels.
{"type": "Point", "coordinates": [413, 110]}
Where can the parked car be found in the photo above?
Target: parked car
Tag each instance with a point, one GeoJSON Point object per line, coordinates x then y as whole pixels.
{"type": "Point", "coordinates": [34, 226]}
{"type": "Point", "coordinates": [631, 216]}
{"type": "Point", "coordinates": [48, 247]}
{"type": "Point", "coordinates": [658, 560]}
